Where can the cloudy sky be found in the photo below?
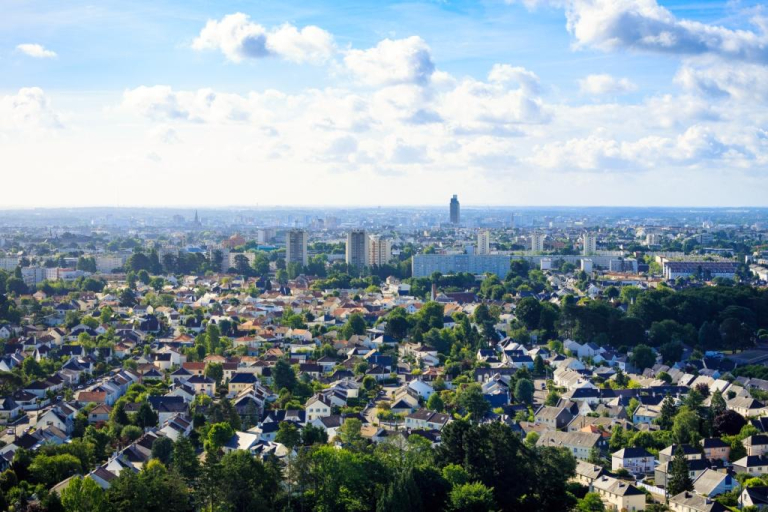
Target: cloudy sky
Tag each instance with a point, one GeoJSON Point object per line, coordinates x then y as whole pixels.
{"type": "Point", "coordinates": [525, 102]}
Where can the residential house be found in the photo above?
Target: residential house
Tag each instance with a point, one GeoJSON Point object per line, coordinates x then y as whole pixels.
{"type": "Point", "coordinates": [689, 502]}
{"type": "Point", "coordinates": [619, 494]}
{"type": "Point", "coordinates": [427, 420]}
{"type": "Point", "coordinates": [580, 444]}
{"type": "Point", "coordinates": [317, 407]}
{"type": "Point", "coordinates": [635, 460]}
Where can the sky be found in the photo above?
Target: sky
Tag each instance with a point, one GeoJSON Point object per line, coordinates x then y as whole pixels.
{"type": "Point", "coordinates": [319, 102]}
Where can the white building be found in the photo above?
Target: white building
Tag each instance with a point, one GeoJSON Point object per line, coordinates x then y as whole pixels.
{"type": "Point", "coordinates": [589, 241]}
{"type": "Point", "coordinates": [379, 250]}
{"type": "Point", "coordinates": [484, 242]}
{"type": "Point", "coordinates": [586, 265]}
{"type": "Point", "coordinates": [105, 264]}
{"type": "Point", "coordinates": [537, 242]}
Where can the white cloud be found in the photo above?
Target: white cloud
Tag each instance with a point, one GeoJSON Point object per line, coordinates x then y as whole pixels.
{"type": "Point", "coordinates": [400, 61]}
{"type": "Point", "coordinates": [37, 51]}
{"type": "Point", "coordinates": [165, 134]}
{"type": "Point", "coordinates": [479, 106]}
{"type": "Point", "coordinates": [29, 109]}
{"type": "Point", "coordinates": [504, 73]}
{"type": "Point", "coordinates": [238, 38]}
{"type": "Point", "coordinates": [742, 82]}
{"type": "Point", "coordinates": [645, 25]}
{"type": "Point", "coordinates": [605, 84]}
{"type": "Point", "coordinates": [697, 146]}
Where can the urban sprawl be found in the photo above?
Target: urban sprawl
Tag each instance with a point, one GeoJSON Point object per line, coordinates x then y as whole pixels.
{"type": "Point", "coordinates": [376, 359]}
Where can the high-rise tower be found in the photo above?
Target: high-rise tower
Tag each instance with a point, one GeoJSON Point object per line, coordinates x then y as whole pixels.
{"type": "Point", "coordinates": [455, 210]}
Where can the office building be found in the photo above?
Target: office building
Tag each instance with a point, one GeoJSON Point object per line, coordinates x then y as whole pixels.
{"type": "Point", "coordinates": [424, 265]}
{"type": "Point", "coordinates": [379, 250]}
{"type": "Point", "coordinates": [296, 247]}
{"type": "Point", "coordinates": [589, 242]}
{"type": "Point", "coordinates": [484, 242]}
{"type": "Point", "coordinates": [455, 210]}
{"type": "Point", "coordinates": [357, 248]}
{"type": "Point", "coordinates": [537, 242]}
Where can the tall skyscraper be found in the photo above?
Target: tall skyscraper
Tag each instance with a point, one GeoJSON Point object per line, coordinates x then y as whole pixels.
{"type": "Point", "coordinates": [589, 241]}
{"type": "Point", "coordinates": [455, 210]}
{"type": "Point", "coordinates": [483, 242]}
{"type": "Point", "coordinates": [357, 248]}
{"type": "Point", "coordinates": [537, 242]}
{"type": "Point", "coordinates": [379, 250]}
{"type": "Point", "coordinates": [296, 246]}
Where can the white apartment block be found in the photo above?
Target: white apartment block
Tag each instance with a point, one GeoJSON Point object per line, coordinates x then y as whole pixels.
{"type": "Point", "coordinates": [589, 241]}
{"type": "Point", "coordinates": [537, 242]}
{"type": "Point", "coordinates": [106, 264]}
{"type": "Point", "coordinates": [484, 242]}
{"type": "Point", "coordinates": [9, 263]}
{"type": "Point", "coordinates": [379, 250]}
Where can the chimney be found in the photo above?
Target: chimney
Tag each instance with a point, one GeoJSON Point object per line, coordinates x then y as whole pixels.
{"type": "Point", "coordinates": [433, 295]}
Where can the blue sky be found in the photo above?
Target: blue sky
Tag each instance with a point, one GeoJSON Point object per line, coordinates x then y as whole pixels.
{"type": "Point", "coordinates": [594, 102]}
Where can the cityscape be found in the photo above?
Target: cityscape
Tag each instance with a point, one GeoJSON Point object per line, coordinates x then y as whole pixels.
{"type": "Point", "coordinates": [394, 256]}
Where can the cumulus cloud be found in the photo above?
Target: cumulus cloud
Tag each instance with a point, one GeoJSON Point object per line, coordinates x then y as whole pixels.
{"type": "Point", "coordinates": [161, 102]}
{"type": "Point", "coordinates": [742, 82]}
{"type": "Point", "coordinates": [645, 25]}
{"type": "Point", "coordinates": [37, 51]}
{"type": "Point", "coordinates": [30, 108]}
{"type": "Point", "coordinates": [481, 106]}
{"type": "Point", "coordinates": [605, 84]}
{"type": "Point", "coordinates": [400, 61]}
{"type": "Point", "coordinates": [238, 38]}
{"type": "Point", "coordinates": [505, 74]}
{"type": "Point", "coordinates": [698, 145]}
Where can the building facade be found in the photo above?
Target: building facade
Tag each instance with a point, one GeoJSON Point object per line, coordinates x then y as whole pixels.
{"type": "Point", "coordinates": [296, 246]}
{"type": "Point", "coordinates": [455, 210]}
{"type": "Point", "coordinates": [379, 250]}
{"type": "Point", "coordinates": [357, 248]}
{"type": "Point", "coordinates": [484, 242]}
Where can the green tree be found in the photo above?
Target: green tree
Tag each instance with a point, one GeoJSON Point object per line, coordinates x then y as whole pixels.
{"type": "Point", "coordinates": [131, 433]}
{"type": "Point", "coordinates": [686, 426]}
{"type": "Point", "coordinates": [145, 416]}
{"type": "Point", "coordinates": [355, 326]}
{"type": "Point", "coordinates": [50, 470]}
{"type": "Point", "coordinates": [472, 497]}
{"type": "Point", "coordinates": [185, 460]}
{"type": "Point", "coordinates": [162, 449]}
{"type": "Point", "coordinates": [219, 435]}
{"type": "Point", "coordinates": [288, 434]}
{"type": "Point", "coordinates": [667, 415]}
{"type": "Point", "coordinates": [435, 403]}
{"type": "Point", "coordinates": [215, 371]}
{"type": "Point", "coordinates": [83, 495]}
{"type": "Point", "coordinates": [284, 376]}
{"type": "Point", "coordinates": [679, 475]}
{"type": "Point", "coordinates": [471, 400]}
{"type": "Point", "coordinates": [524, 391]}
{"type": "Point", "coordinates": [642, 357]}
{"type": "Point", "coordinates": [591, 502]}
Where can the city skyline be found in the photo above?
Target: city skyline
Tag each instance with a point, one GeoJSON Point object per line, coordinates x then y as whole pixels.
{"type": "Point", "coordinates": [583, 102]}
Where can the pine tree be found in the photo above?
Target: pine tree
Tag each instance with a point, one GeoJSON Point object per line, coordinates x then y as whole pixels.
{"type": "Point", "coordinates": [401, 495]}
{"type": "Point", "coordinates": [717, 403]}
{"type": "Point", "coordinates": [679, 478]}
{"type": "Point", "coordinates": [668, 411]}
